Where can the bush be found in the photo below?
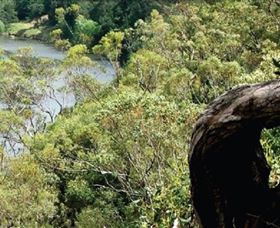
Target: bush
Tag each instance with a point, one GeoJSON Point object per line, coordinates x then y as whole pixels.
{"type": "Point", "coordinates": [32, 33]}
{"type": "Point", "coordinates": [2, 27]}
{"type": "Point", "coordinates": [62, 44]}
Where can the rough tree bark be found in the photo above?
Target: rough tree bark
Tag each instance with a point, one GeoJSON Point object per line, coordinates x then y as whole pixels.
{"type": "Point", "coordinates": [228, 170]}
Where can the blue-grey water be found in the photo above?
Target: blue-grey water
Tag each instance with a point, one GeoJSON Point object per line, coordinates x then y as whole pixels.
{"type": "Point", "coordinates": [103, 72]}
{"type": "Point", "coordinates": [41, 49]}
{"type": "Point", "coordinates": [46, 50]}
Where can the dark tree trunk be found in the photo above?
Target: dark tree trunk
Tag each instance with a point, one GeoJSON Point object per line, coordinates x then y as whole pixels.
{"type": "Point", "coordinates": [228, 170]}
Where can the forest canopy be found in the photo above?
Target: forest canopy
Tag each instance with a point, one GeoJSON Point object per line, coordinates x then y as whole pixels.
{"type": "Point", "coordinates": [119, 157]}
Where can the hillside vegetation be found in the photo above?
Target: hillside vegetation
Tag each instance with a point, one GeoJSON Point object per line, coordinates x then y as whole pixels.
{"type": "Point", "coordinates": [119, 157]}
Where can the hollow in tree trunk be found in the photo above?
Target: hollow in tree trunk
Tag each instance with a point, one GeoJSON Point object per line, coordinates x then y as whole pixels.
{"type": "Point", "coordinates": [228, 170]}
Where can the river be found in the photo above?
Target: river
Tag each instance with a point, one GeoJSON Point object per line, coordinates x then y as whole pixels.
{"type": "Point", "coordinates": [45, 50]}
{"type": "Point", "coordinates": [104, 74]}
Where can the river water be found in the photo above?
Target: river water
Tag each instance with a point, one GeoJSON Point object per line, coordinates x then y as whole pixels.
{"type": "Point", "coordinates": [104, 73]}
{"type": "Point", "coordinates": [45, 50]}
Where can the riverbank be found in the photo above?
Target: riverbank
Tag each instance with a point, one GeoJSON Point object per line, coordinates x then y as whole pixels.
{"type": "Point", "coordinates": [37, 29]}
{"type": "Point", "coordinates": [25, 31]}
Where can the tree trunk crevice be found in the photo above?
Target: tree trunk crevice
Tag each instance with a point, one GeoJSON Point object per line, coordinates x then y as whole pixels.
{"type": "Point", "coordinates": [228, 170]}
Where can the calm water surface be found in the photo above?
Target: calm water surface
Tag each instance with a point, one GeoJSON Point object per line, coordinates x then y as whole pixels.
{"type": "Point", "coordinates": [45, 50]}
{"type": "Point", "coordinates": [104, 72]}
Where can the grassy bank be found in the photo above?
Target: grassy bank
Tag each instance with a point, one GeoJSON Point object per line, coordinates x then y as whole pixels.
{"type": "Point", "coordinates": [36, 29]}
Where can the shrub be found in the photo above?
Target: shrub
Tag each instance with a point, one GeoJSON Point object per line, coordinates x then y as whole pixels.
{"type": "Point", "coordinates": [2, 27]}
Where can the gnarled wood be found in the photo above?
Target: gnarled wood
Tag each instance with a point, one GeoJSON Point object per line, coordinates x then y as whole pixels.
{"type": "Point", "coordinates": [228, 170]}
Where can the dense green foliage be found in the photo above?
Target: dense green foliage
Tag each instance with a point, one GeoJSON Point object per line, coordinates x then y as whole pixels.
{"type": "Point", "coordinates": [119, 157]}
{"type": "Point", "coordinates": [7, 11]}
{"type": "Point", "coordinates": [79, 21]}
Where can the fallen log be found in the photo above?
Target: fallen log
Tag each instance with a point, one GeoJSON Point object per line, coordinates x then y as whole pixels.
{"type": "Point", "coordinates": [228, 170]}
